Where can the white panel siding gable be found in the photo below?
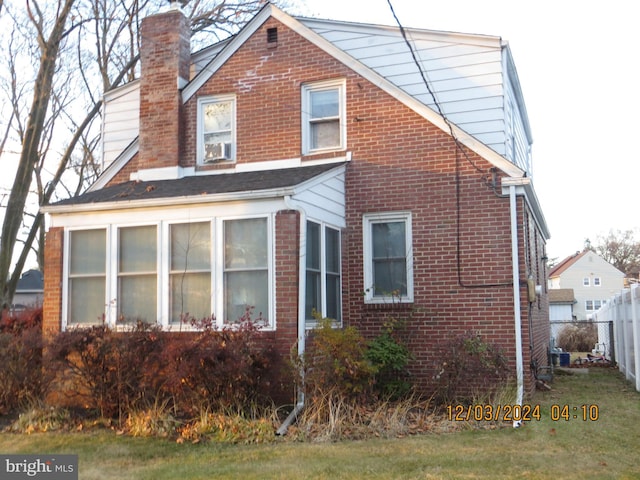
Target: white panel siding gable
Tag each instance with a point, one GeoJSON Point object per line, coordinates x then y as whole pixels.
{"type": "Point", "coordinates": [467, 73]}
{"type": "Point", "coordinates": [120, 120]}
{"type": "Point", "coordinates": [325, 201]}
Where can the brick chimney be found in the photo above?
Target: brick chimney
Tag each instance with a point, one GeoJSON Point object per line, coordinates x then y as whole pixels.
{"type": "Point", "coordinates": [164, 57]}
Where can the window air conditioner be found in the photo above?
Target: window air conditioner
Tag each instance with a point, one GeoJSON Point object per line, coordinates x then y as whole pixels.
{"type": "Point", "coordinates": [217, 151]}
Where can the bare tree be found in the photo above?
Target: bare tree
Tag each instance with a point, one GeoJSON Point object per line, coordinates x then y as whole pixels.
{"type": "Point", "coordinates": [621, 250]}
{"type": "Point", "coordinates": [79, 50]}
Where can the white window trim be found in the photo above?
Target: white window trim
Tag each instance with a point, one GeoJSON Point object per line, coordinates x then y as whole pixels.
{"type": "Point", "coordinates": [367, 221]}
{"type": "Point", "coordinates": [202, 101]}
{"type": "Point", "coordinates": [64, 323]}
{"type": "Point", "coordinates": [586, 282]}
{"type": "Point", "coordinates": [597, 282]}
{"type": "Point", "coordinates": [163, 271]}
{"type": "Point", "coordinates": [218, 293]}
{"type": "Point", "coordinates": [307, 89]}
{"type": "Point", "coordinates": [310, 324]}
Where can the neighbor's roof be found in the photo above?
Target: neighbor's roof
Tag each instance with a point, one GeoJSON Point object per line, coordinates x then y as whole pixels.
{"type": "Point", "coordinates": [562, 295]}
{"type": "Point", "coordinates": [275, 182]}
{"type": "Point", "coordinates": [566, 263]}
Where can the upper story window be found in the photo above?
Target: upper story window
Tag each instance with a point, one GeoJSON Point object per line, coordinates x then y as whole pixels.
{"type": "Point", "coordinates": [323, 116]}
{"type": "Point", "coordinates": [596, 282]}
{"type": "Point", "coordinates": [388, 258]}
{"type": "Point", "coordinates": [586, 282]}
{"type": "Point", "coordinates": [216, 129]}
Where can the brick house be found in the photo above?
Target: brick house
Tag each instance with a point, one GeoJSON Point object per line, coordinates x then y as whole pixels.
{"type": "Point", "coordinates": [303, 165]}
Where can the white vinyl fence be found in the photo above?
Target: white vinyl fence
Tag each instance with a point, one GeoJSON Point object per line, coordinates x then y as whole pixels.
{"type": "Point", "coordinates": [624, 311]}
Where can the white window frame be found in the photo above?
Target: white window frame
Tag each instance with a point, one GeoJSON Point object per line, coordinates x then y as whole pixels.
{"type": "Point", "coordinates": [66, 268]}
{"type": "Point", "coordinates": [219, 292]}
{"type": "Point", "coordinates": [597, 282]}
{"type": "Point", "coordinates": [368, 221]}
{"type": "Point", "coordinates": [166, 320]}
{"type": "Point", "coordinates": [202, 102]}
{"type": "Point", "coordinates": [586, 282]}
{"type": "Point", "coordinates": [311, 323]}
{"type": "Point", "coordinates": [163, 271]}
{"type": "Point", "coordinates": [307, 90]}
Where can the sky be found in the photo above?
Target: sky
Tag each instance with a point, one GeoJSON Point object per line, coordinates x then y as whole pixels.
{"type": "Point", "coordinates": [578, 66]}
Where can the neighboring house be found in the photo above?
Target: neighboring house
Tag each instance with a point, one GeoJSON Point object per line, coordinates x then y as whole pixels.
{"type": "Point", "coordinates": [592, 279]}
{"type": "Point", "coordinates": [302, 165]}
{"type": "Point", "coordinates": [29, 291]}
{"type": "Point", "coordinates": [561, 302]}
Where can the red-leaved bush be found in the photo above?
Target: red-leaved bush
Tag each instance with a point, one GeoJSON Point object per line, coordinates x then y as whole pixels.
{"type": "Point", "coordinates": [22, 379]}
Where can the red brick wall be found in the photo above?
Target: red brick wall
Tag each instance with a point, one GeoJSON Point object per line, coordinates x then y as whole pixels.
{"type": "Point", "coordinates": [52, 304]}
{"type": "Point", "coordinates": [401, 162]}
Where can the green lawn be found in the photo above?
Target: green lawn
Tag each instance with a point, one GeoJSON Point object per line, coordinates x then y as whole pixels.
{"type": "Point", "coordinates": [575, 449]}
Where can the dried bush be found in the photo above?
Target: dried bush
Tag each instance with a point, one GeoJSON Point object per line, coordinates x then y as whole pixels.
{"type": "Point", "coordinates": [469, 367]}
{"type": "Point", "coordinates": [578, 337]}
{"type": "Point", "coordinates": [22, 378]}
{"type": "Point", "coordinates": [218, 369]}
{"type": "Point", "coordinates": [119, 370]}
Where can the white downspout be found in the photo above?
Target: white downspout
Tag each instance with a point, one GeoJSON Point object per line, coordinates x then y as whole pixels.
{"type": "Point", "coordinates": [516, 298]}
{"type": "Point", "coordinates": [293, 205]}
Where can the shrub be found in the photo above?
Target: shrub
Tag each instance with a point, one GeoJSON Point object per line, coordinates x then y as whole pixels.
{"type": "Point", "coordinates": [118, 370]}
{"type": "Point", "coordinates": [335, 361]}
{"type": "Point", "coordinates": [469, 367]}
{"type": "Point", "coordinates": [390, 356]}
{"type": "Point", "coordinates": [21, 375]}
{"type": "Point", "coordinates": [578, 337]}
{"type": "Point", "coordinates": [214, 369]}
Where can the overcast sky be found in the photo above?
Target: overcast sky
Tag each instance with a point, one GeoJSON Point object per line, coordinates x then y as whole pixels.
{"type": "Point", "coordinates": [578, 67]}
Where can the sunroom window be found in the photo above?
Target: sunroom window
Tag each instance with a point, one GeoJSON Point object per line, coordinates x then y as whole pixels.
{"type": "Point", "coordinates": [170, 273]}
{"type": "Point", "coordinates": [87, 276]}
{"type": "Point", "coordinates": [190, 271]}
{"type": "Point", "coordinates": [246, 269]}
{"type": "Point", "coordinates": [137, 274]}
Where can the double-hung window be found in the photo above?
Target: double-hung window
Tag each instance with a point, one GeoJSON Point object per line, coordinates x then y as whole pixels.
{"type": "Point", "coordinates": [216, 129]}
{"type": "Point", "coordinates": [323, 116]}
{"type": "Point", "coordinates": [388, 257]}
{"type": "Point", "coordinates": [323, 279]}
{"type": "Point", "coordinates": [246, 269]}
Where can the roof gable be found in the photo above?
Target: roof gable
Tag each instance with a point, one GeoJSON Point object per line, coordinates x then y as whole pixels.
{"type": "Point", "coordinates": [578, 259]}
{"type": "Point", "coordinates": [417, 103]}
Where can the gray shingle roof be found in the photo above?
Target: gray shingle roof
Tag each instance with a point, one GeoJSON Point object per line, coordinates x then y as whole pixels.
{"type": "Point", "coordinates": [200, 185]}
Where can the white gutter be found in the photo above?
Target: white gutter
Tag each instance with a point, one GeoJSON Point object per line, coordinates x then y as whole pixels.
{"type": "Point", "coordinates": [516, 299]}
{"type": "Point", "coordinates": [169, 201]}
{"type": "Point", "coordinates": [293, 205]}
